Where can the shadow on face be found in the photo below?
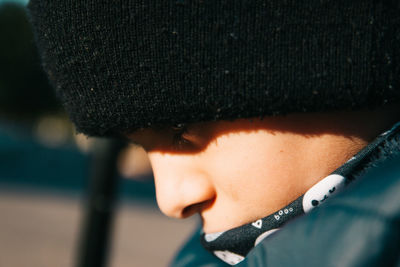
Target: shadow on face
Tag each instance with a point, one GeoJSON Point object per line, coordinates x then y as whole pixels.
{"type": "Point", "coordinates": [195, 138]}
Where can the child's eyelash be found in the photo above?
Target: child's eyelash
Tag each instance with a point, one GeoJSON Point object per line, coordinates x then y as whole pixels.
{"type": "Point", "coordinates": [178, 139]}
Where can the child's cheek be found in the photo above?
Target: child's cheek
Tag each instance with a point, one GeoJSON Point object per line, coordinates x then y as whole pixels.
{"type": "Point", "coordinates": [252, 173]}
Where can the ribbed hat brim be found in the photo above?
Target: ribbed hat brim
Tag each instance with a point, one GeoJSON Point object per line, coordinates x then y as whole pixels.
{"type": "Point", "coordinates": [123, 65]}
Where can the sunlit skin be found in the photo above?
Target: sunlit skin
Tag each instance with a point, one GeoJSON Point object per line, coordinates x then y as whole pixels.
{"type": "Point", "coordinates": [234, 172]}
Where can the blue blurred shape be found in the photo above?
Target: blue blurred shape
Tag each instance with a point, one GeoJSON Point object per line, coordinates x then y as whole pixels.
{"type": "Point", "coordinates": [22, 2]}
{"type": "Point", "coordinates": [24, 162]}
{"type": "Point", "coordinates": [27, 164]}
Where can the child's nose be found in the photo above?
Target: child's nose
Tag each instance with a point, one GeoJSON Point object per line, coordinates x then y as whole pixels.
{"type": "Point", "coordinates": [182, 187]}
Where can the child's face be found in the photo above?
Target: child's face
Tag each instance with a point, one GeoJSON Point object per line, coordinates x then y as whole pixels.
{"type": "Point", "coordinates": [232, 173]}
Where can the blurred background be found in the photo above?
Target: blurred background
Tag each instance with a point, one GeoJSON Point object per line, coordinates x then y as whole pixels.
{"type": "Point", "coordinates": [45, 168]}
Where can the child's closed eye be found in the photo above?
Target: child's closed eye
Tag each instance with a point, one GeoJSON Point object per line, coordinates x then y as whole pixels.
{"type": "Point", "coordinates": [179, 139]}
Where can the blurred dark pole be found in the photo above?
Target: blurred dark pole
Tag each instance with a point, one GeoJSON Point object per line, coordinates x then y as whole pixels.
{"type": "Point", "coordinates": [97, 224]}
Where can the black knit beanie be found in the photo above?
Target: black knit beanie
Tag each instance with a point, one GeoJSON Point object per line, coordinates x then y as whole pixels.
{"type": "Point", "coordinates": [119, 65]}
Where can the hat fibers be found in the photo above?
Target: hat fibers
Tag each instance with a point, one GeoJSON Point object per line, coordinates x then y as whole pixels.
{"type": "Point", "coordinates": [121, 65]}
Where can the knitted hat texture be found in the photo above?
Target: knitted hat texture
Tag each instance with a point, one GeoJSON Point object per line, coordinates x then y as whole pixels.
{"type": "Point", "coordinates": [120, 65]}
